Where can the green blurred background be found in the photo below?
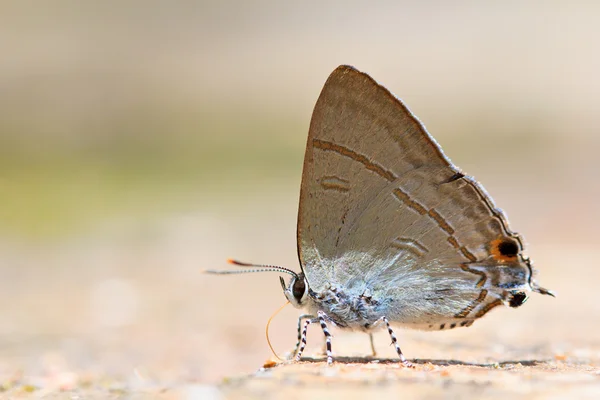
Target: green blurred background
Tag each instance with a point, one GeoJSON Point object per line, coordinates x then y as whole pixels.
{"type": "Point", "coordinates": [141, 142]}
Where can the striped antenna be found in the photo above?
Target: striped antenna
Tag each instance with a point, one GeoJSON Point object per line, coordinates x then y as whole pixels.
{"type": "Point", "coordinates": [256, 268]}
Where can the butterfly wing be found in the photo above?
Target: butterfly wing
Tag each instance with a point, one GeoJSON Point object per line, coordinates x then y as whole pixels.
{"type": "Point", "coordinates": [379, 200]}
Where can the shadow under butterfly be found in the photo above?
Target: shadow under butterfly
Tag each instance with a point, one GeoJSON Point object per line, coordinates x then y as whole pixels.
{"type": "Point", "coordinates": [390, 232]}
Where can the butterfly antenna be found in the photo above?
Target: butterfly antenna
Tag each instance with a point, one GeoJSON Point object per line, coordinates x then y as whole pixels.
{"type": "Point", "coordinates": [541, 290]}
{"type": "Point", "coordinates": [256, 268]}
{"type": "Point", "coordinates": [267, 329]}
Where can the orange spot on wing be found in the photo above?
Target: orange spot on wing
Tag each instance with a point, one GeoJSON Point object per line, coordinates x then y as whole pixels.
{"type": "Point", "coordinates": [495, 249]}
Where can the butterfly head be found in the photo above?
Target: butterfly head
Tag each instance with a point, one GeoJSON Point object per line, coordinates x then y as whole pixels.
{"type": "Point", "coordinates": [297, 290]}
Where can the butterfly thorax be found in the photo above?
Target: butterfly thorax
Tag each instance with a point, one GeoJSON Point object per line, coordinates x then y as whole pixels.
{"type": "Point", "coordinates": [345, 308]}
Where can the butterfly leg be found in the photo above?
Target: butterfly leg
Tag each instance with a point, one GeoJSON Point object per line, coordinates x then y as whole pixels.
{"type": "Point", "coordinates": [303, 337]}
{"type": "Point", "coordinates": [322, 316]}
{"type": "Point", "coordinates": [395, 343]}
{"type": "Point", "coordinates": [321, 320]}
{"type": "Point", "coordinates": [373, 351]}
{"type": "Point", "coordinates": [300, 319]}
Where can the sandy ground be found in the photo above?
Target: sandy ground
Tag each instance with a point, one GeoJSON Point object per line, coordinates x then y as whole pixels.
{"type": "Point", "coordinates": [537, 378]}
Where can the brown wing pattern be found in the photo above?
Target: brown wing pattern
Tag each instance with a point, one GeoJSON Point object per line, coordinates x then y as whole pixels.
{"type": "Point", "coordinates": [375, 181]}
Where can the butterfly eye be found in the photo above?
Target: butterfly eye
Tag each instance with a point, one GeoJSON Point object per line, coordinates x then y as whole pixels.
{"type": "Point", "coordinates": [298, 289]}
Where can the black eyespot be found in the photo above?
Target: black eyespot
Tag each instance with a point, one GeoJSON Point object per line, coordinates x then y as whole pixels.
{"type": "Point", "coordinates": [517, 299]}
{"type": "Point", "coordinates": [508, 248]}
{"type": "Point", "coordinates": [298, 288]}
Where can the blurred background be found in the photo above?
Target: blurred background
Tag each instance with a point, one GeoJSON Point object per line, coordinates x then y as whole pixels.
{"type": "Point", "coordinates": [142, 142]}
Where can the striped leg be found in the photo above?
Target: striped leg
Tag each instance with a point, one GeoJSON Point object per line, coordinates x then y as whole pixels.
{"type": "Point", "coordinates": [322, 315]}
{"type": "Point", "coordinates": [321, 320]}
{"type": "Point", "coordinates": [303, 338]}
{"type": "Point", "coordinates": [300, 318]}
{"type": "Point", "coordinates": [395, 343]}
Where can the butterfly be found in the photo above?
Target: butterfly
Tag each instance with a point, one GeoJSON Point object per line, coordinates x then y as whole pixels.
{"type": "Point", "coordinates": [390, 232]}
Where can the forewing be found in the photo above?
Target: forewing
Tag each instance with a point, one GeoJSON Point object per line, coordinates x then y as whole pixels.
{"type": "Point", "coordinates": [378, 193]}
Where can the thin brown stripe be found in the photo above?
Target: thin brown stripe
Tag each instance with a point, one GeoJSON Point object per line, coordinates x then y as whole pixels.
{"type": "Point", "coordinates": [440, 221]}
{"type": "Point", "coordinates": [487, 308]}
{"type": "Point", "coordinates": [336, 187]}
{"type": "Point", "coordinates": [405, 198]}
{"type": "Point", "coordinates": [411, 245]}
{"type": "Point", "coordinates": [483, 278]}
{"type": "Point", "coordinates": [346, 152]}
{"type": "Point", "coordinates": [468, 254]}
{"type": "Point", "coordinates": [453, 242]}
{"type": "Point", "coordinates": [335, 183]}
{"type": "Point", "coordinates": [470, 307]}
